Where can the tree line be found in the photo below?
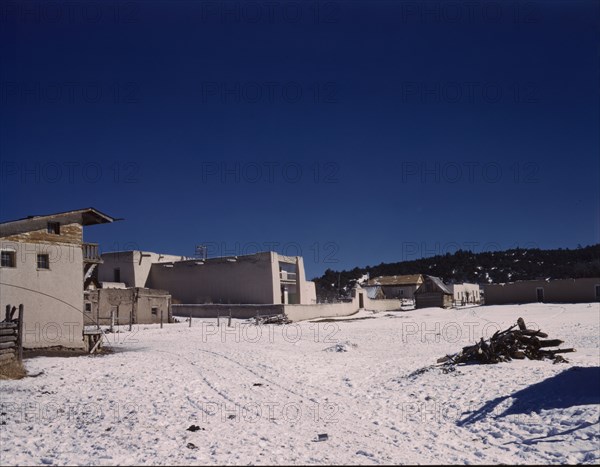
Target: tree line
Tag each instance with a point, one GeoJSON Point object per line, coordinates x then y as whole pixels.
{"type": "Point", "coordinates": [465, 266]}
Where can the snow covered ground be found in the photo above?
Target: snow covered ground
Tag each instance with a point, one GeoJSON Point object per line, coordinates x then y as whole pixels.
{"type": "Point", "coordinates": [262, 395]}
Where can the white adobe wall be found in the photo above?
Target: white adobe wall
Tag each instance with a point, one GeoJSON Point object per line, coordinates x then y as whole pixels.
{"type": "Point", "coordinates": [306, 289]}
{"type": "Point", "coordinates": [248, 280]}
{"type": "Point", "coordinates": [332, 310]}
{"type": "Point", "coordinates": [309, 293]}
{"type": "Point", "coordinates": [143, 261]}
{"type": "Point", "coordinates": [459, 292]}
{"type": "Point", "coordinates": [321, 310]}
{"type": "Point", "coordinates": [119, 259]}
{"type": "Point", "coordinates": [53, 298]}
{"type": "Point", "coordinates": [387, 304]}
{"type": "Point", "coordinates": [134, 265]}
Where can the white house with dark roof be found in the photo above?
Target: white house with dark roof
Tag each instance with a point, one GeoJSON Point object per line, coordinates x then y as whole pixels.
{"type": "Point", "coordinates": [400, 286]}
{"type": "Point", "coordinates": [44, 263]}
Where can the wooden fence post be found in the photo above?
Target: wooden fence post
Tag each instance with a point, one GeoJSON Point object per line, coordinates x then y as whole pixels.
{"type": "Point", "coordinates": [161, 318]}
{"type": "Point", "coordinates": [134, 307]}
{"type": "Point", "coordinates": [169, 311]}
{"type": "Point", "coordinates": [20, 334]}
{"type": "Point", "coordinates": [190, 316]}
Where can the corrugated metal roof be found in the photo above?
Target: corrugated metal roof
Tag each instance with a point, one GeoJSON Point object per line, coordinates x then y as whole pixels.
{"type": "Point", "coordinates": [409, 279]}
{"type": "Point", "coordinates": [374, 292]}
{"type": "Point", "coordinates": [439, 284]}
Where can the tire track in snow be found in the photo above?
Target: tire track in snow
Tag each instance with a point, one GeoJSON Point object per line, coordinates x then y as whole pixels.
{"type": "Point", "coordinates": [224, 394]}
{"type": "Point", "coordinates": [255, 373]}
{"type": "Point", "coordinates": [221, 393]}
{"type": "Point", "coordinates": [330, 405]}
{"type": "Point", "coordinates": [330, 410]}
{"type": "Point", "coordinates": [276, 373]}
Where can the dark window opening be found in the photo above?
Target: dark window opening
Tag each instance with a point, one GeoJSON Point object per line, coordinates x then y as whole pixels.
{"type": "Point", "coordinates": [8, 259]}
{"type": "Point", "coordinates": [43, 262]}
{"type": "Point", "coordinates": [88, 307]}
{"type": "Point", "coordinates": [54, 228]}
{"type": "Point", "coordinates": [117, 274]}
{"type": "Point", "coordinates": [154, 310]}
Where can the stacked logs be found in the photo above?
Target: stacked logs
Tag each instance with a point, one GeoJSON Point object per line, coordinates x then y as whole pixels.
{"type": "Point", "coordinates": [272, 319]}
{"type": "Point", "coordinates": [510, 344]}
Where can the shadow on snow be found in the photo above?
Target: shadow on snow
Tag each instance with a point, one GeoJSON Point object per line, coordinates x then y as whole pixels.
{"type": "Point", "coordinates": [575, 386]}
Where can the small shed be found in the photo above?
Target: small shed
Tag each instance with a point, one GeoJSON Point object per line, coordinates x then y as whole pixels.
{"type": "Point", "coordinates": [433, 293]}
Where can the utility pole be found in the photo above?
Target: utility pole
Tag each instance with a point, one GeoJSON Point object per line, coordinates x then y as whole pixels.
{"type": "Point", "coordinates": [201, 252]}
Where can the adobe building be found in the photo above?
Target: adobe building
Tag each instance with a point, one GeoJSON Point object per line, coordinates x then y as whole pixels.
{"type": "Point", "coordinates": [262, 278]}
{"type": "Point", "coordinates": [465, 293]}
{"type": "Point", "coordinates": [44, 263]}
{"type": "Point", "coordinates": [112, 306]}
{"type": "Point", "coordinates": [582, 290]}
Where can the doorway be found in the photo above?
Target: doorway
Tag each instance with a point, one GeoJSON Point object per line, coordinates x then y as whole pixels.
{"type": "Point", "coordinates": [540, 294]}
{"type": "Point", "coordinates": [284, 295]}
{"type": "Point", "coordinates": [361, 301]}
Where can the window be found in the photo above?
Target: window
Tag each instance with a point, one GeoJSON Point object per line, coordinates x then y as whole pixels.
{"type": "Point", "coordinates": [88, 307]}
{"type": "Point", "coordinates": [43, 262]}
{"type": "Point", "coordinates": [8, 259]}
{"type": "Point", "coordinates": [117, 275]}
{"type": "Point", "coordinates": [54, 228]}
{"type": "Point", "coordinates": [154, 310]}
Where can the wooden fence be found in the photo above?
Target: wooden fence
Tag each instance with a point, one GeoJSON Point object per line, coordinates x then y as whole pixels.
{"type": "Point", "coordinates": [11, 335]}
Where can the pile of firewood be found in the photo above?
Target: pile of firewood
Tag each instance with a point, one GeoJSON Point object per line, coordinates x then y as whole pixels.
{"type": "Point", "coordinates": [272, 319]}
{"type": "Point", "coordinates": [510, 344]}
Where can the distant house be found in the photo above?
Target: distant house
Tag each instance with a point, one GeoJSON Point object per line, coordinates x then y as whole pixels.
{"type": "Point", "coordinates": [433, 293]}
{"type": "Point", "coordinates": [403, 286]}
{"type": "Point", "coordinates": [466, 293]}
{"type": "Point", "coordinates": [583, 290]}
{"type": "Point", "coordinates": [44, 265]}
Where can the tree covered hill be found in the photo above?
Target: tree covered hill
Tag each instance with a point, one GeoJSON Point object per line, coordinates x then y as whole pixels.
{"type": "Point", "coordinates": [466, 266]}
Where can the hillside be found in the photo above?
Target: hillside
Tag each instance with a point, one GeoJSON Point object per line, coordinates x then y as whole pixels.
{"type": "Point", "coordinates": [466, 266]}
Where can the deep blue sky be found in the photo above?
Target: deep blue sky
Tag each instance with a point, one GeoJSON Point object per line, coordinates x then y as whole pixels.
{"type": "Point", "coordinates": [417, 128]}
